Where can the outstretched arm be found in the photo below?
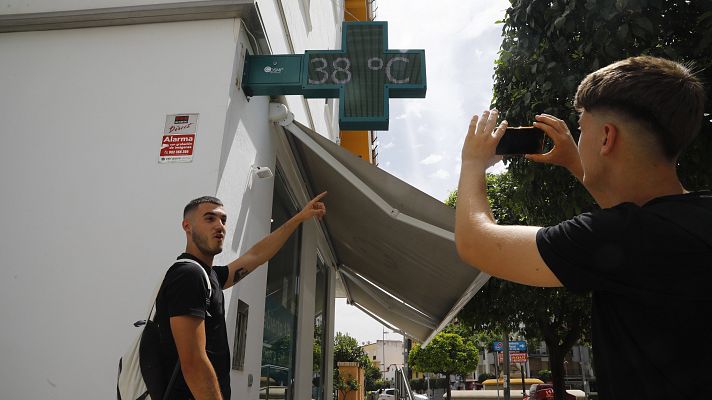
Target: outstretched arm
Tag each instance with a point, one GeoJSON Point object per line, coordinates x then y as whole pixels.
{"type": "Point", "coordinates": [266, 248]}
{"type": "Point", "coordinates": [506, 252]}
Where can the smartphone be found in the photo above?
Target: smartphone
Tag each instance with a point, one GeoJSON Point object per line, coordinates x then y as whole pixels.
{"type": "Point", "coordinates": [521, 140]}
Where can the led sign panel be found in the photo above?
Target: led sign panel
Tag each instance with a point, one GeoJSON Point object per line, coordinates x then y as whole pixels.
{"type": "Point", "coordinates": [364, 74]}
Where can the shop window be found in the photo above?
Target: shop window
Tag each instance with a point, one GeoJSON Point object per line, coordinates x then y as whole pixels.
{"type": "Point", "coordinates": [238, 358]}
{"type": "Point", "coordinates": [281, 301]}
{"type": "Point", "coordinates": [320, 315]}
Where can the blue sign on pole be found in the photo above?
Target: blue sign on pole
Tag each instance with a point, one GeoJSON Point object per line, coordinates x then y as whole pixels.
{"type": "Point", "coordinates": [513, 346]}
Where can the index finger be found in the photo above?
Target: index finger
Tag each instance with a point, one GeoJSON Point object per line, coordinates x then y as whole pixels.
{"type": "Point", "coordinates": [552, 120]}
{"type": "Point", "coordinates": [318, 197]}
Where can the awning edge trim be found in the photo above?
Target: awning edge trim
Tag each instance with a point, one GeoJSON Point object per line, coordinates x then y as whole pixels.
{"type": "Point", "coordinates": [474, 287]}
{"type": "Point", "coordinates": [379, 201]}
{"type": "Point", "coordinates": [423, 321]}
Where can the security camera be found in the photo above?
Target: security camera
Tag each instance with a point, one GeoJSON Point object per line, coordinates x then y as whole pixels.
{"type": "Point", "coordinates": [262, 172]}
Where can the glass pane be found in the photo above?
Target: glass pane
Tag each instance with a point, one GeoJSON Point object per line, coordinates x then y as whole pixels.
{"type": "Point", "coordinates": [320, 300]}
{"type": "Point", "coordinates": [243, 313]}
{"type": "Point", "coordinates": [280, 332]}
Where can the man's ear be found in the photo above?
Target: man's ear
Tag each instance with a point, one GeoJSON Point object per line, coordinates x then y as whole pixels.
{"type": "Point", "coordinates": [186, 225]}
{"type": "Point", "coordinates": [609, 139]}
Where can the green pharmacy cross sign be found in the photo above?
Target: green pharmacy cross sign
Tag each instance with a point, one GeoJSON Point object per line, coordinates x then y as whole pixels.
{"type": "Point", "coordinates": [364, 74]}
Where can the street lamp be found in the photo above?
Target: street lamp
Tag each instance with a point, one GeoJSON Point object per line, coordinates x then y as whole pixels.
{"type": "Point", "coordinates": [383, 351]}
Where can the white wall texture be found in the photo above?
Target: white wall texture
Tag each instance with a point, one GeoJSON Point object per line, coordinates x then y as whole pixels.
{"type": "Point", "coordinates": [95, 218]}
{"type": "Point", "coordinates": [390, 350]}
{"type": "Point", "coordinates": [325, 34]}
{"type": "Point", "coordinates": [40, 6]}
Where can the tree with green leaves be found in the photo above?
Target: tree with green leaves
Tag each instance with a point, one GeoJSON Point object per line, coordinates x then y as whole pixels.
{"type": "Point", "coordinates": [344, 384]}
{"type": "Point", "coordinates": [347, 349]}
{"type": "Point", "coordinates": [548, 47]}
{"type": "Point", "coordinates": [555, 315]}
{"type": "Point", "coordinates": [481, 338]}
{"type": "Point", "coordinates": [372, 376]}
{"type": "Point", "coordinates": [447, 354]}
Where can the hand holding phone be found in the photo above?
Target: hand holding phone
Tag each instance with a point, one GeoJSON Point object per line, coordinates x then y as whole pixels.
{"type": "Point", "coordinates": [521, 140]}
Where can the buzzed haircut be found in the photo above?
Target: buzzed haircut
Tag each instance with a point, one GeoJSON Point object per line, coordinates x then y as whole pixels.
{"type": "Point", "coordinates": [193, 204]}
{"type": "Point", "coordinates": [663, 96]}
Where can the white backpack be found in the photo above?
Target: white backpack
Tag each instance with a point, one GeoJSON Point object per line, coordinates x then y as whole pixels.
{"type": "Point", "coordinates": [140, 377]}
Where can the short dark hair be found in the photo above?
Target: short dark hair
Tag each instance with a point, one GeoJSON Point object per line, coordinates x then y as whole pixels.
{"type": "Point", "coordinates": [193, 204]}
{"type": "Point", "coordinates": [663, 95]}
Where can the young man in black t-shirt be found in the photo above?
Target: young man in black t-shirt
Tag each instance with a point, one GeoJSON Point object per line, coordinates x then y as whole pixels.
{"type": "Point", "coordinates": [191, 325]}
{"type": "Point", "coordinates": [646, 255]}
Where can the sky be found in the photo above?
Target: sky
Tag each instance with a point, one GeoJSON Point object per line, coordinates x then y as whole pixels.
{"type": "Point", "coordinates": [422, 146]}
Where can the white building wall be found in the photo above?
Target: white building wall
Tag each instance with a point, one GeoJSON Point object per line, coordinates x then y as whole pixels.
{"type": "Point", "coordinates": [387, 353]}
{"type": "Point", "coordinates": [39, 6]}
{"type": "Point", "coordinates": [248, 143]}
{"type": "Point", "coordinates": [288, 31]}
{"type": "Point", "coordinates": [95, 218]}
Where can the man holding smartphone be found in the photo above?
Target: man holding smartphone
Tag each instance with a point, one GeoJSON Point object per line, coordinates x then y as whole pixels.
{"type": "Point", "coordinates": [645, 255]}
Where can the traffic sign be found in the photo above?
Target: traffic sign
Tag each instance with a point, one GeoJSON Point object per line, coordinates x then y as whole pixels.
{"type": "Point", "coordinates": [514, 357]}
{"type": "Point", "coordinates": [513, 346]}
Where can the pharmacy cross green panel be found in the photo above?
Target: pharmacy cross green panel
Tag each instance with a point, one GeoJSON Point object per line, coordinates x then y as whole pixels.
{"type": "Point", "coordinates": [364, 74]}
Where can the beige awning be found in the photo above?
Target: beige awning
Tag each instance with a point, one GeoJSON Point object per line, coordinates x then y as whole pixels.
{"type": "Point", "coordinates": [394, 244]}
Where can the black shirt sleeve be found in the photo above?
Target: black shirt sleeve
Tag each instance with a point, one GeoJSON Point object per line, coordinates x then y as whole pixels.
{"type": "Point", "coordinates": [590, 251]}
{"type": "Point", "coordinates": [222, 272]}
{"type": "Point", "coordinates": [186, 291]}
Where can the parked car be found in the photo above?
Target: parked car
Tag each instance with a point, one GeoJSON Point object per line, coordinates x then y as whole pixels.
{"type": "Point", "coordinates": [390, 394]}
{"type": "Point", "coordinates": [275, 392]}
{"type": "Point", "coordinates": [544, 391]}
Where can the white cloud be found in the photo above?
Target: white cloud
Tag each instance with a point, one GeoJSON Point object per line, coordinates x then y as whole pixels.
{"type": "Point", "coordinates": [359, 325]}
{"type": "Point", "coordinates": [440, 174]}
{"type": "Point", "coordinates": [414, 109]}
{"type": "Point", "coordinates": [388, 145]}
{"type": "Point", "coordinates": [497, 168]}
{"type": "Point", "coordinates": [431, 159]}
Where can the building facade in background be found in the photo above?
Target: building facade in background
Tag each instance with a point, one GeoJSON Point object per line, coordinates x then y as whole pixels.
{"type": "Point", "coordinates": [386, 355]}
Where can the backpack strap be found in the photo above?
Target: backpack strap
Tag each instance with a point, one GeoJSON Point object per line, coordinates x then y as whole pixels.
{"type": "Point", "coordinates": [155, 295]}
{"type": "Point", "coordinates": [205, 274]}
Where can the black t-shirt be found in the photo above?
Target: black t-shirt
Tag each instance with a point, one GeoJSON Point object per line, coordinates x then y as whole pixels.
{"type": "Point", "coordinates": [184, 292]}
{"type": "Point", "coordinates": [649, 270]}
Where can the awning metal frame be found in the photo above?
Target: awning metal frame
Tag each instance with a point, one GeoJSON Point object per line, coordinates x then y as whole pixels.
{"type": "Point", "coordinates": [425, 321]}
{"type": "Point", "coordinates": [379, 201]}
{"type": "Point", "coordinates": [382, 321]}
{"type": "Point", "coordinates": [392, 212]}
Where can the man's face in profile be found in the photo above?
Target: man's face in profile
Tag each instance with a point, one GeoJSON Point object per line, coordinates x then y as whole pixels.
{"type": "Point", "coordinates": [207, 228]}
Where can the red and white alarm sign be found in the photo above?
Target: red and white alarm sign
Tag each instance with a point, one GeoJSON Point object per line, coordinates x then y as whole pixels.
{"type": "Point", "coordinates": [178, 140]}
